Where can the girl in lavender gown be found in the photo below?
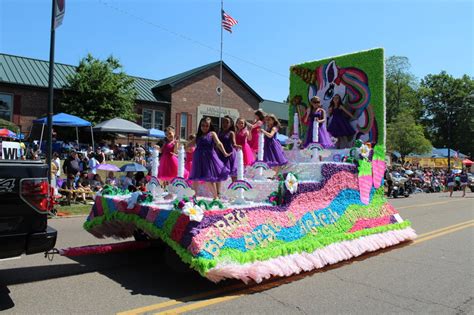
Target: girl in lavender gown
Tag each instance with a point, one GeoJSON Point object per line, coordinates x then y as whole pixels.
{"type": "Point", "coordinates": [273, 153]}
{"type": "Point", "coordinates": [207, 167]}
{"type": "Point", "coordinates": [315, 111]}
{"type": "Point", "coordinates": [227, 137]}
{"type": "Point", "coordinates": [339, 125]}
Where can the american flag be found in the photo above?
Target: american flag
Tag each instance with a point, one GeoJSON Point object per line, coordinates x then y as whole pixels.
{"type": "Point", "coordinates": [228, 21]}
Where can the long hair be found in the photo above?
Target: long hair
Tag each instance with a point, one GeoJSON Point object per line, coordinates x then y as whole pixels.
{"type": "Point", "coordinates": [260, 114]}
{"type": "Point", "coordinates": [237, 122]}
{"type": "Point", "coordinates": [276, 122]}
{"type": "Point", "coordinates": [199, 133]}
{"type": "Point", "coordinates": [332, 105]}
{"type": "Point", "coordinates": [172, 129]}
{"type": "Point", "coordinates": [231, 127]}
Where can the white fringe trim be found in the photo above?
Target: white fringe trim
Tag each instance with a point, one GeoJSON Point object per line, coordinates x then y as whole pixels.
{"type": "Point", "coordinates": [295, 263]}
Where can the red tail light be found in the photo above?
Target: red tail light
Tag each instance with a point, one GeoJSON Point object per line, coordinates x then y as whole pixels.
{"type": "Point", "coordinates": [37, 193]}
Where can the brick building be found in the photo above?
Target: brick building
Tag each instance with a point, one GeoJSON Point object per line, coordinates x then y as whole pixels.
{"type": "Point", "coordinates": [180, 100]}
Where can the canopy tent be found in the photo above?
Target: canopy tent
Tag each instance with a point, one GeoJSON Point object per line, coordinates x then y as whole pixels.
{"type": "Point", "coordinates": [467, 162]}
{"type": "Point", "coordinates": [65, 120]}
{"type": "Point", "coordinates": [119, 125]}
{"type": "Point", "coordinates": [156, 133]}
{"type": "Point", "coordinates": [440, 153]}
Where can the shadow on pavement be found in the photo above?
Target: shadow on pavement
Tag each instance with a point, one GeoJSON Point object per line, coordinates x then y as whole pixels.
{"type": "Point", "coordinates": [145, 272]}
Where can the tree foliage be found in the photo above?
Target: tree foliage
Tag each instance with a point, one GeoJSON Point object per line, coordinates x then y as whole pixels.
{"type": "Point", "coordinates": [449, 111]}
{"type": "Point", "coordinates": [100, 90]}
{"type": "Point", "coordinates": [9, 125]}
{"type": "Point", "coordinates": [401, 88]}
{"type": "Point", "coordinates": [406, 136]}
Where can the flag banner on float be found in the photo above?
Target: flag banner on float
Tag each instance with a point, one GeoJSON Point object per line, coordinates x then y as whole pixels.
{"type": "Point", "coordinates": [60, 11]}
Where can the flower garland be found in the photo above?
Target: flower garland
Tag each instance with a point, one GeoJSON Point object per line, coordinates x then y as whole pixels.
{"type": "Point", "coordinates": [285, 184]}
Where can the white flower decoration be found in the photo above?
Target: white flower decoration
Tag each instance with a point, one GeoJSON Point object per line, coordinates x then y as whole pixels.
{"type": "Point", "coordinates": [194, 212]}
{"type": "Point", "coordinates": [364, 151]}
{"type": "Point", "coordinates": [291, 183]}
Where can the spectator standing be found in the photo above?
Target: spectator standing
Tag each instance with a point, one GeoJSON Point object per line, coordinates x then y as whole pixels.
{"type": "Point", "coordinates": [100, 156]}
{"type": "Point", "coordinates": [464, 179]}
{"type": "Point", "coordinates": [92, 164]}
{"type": "Point", "coordinates": [71, 168]}
{"type": "Point", "coordinates": [57, 162]}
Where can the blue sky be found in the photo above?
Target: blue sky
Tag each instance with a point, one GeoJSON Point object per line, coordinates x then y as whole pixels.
{"type": "Point", "coordinates": [159, 38]}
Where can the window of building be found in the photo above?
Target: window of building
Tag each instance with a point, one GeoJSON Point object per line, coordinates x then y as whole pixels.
{"type": "Point", "coordinates": [153, 119]}
{"type": "Point", "coordinates": [183, 126]}
{"type": "Point", "coordinates": [6, 106]}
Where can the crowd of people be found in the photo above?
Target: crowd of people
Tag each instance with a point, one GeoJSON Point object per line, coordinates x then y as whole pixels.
{"type": "Point", "coordinates": [428, 179]}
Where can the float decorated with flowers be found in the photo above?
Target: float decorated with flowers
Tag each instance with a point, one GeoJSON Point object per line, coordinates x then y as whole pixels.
{"type": "Point", "coordinates": [325, 206]}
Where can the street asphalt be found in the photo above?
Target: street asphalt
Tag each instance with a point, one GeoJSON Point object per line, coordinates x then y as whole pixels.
{"type": "Point", "coordinates": [434, 274]}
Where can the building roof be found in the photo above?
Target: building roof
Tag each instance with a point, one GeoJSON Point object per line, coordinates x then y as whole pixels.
{"type": "Point", "coordinates": [279, 109]}
{"type": "Point", "coordinates": [34, 72]}
{"type": "Point", "coordinates": [178, 78]}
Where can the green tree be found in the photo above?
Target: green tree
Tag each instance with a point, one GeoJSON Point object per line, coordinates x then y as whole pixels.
{"type": "Point", "coordinates": [401, 88]}
{"type": "Point", "coordinates": [449, 111]}
{"type": "Point", "coordinates": [100, 90]}
{"type": "Point", "coordinates": [8, 125]}
{"type": "Point", "coordinates": [406, 136]}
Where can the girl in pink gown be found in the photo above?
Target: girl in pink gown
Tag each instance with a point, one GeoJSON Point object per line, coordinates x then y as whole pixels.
{"type": "Point", "coordinates": [241, 136]}
{"type": "Point", "coordinates": [168, 168]}
{"type": "Point", "coordinates": [255, 129]}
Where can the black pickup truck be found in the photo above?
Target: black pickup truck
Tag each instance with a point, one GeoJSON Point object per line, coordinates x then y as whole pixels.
{"type": "Point", "coordinates": [25, 201]}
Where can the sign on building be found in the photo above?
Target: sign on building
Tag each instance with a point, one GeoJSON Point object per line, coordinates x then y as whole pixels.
{"type": "Point", "coordinates": [213, 111]}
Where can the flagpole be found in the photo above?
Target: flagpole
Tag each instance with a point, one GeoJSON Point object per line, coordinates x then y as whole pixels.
{"type": "Point", "coordinates": [49, 129]}
{"type": "Point", "coordinates": [220, 74]}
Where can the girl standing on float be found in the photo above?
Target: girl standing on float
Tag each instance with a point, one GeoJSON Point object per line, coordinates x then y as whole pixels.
{"type": "Point", "coordinates": [227, 137]}
{"type": "Point", "coordinates": [340, 126]}
{"type": "Point", "coordinates": [273, 153]}
{"type": "Point", "coordinates": [241, 137]}
{"type": "Point", "coordinates": [168, 168]}
{"type": "Point", "coordinates": [207, 166]}
{"type": "Point", "coordinates": [189, 154]}
{"type": "Point", "coordinates": [255, 129]}
{"type": "Point", "coordinates": [315, 111]}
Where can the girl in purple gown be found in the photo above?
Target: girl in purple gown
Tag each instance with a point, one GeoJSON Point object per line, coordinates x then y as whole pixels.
{"type": "Point", "coordinates": [207, 166]}
{"type": "Point", "coordinates": [273, 153]}
{"type": "Point", "coordinates": [339, 125]}
{"type": "Point", "coordinates": [227, 137]}
{"type": "Point", "coordinates": [315, 111]}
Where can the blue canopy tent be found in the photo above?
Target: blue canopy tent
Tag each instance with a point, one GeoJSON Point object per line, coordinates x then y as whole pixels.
{"type": "Point", "coordinates": [65, 120]}
{"type": "Point", "coordinates": [156, 133]}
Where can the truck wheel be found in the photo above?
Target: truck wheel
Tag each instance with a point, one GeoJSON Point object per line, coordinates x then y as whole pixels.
{"type": "Point", "coordinates": [174, 262]}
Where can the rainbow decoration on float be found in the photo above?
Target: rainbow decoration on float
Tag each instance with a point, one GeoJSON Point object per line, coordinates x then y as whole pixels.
{"type": "Point", "coordinates": [240, 184]}
{"type": "Point", "coordinates": [179, 182]}
{"type": "Point", "coordinates": [315, 145]}
{"type": "Point", "coordinates": [260, 164]}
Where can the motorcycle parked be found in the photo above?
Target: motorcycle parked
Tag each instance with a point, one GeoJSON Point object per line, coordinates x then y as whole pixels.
{"type": "Point", "coordinates": [398, 185]}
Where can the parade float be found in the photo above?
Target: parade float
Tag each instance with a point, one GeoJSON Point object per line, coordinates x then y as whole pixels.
{"type": "Point", "coordinates": [323, 207]}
